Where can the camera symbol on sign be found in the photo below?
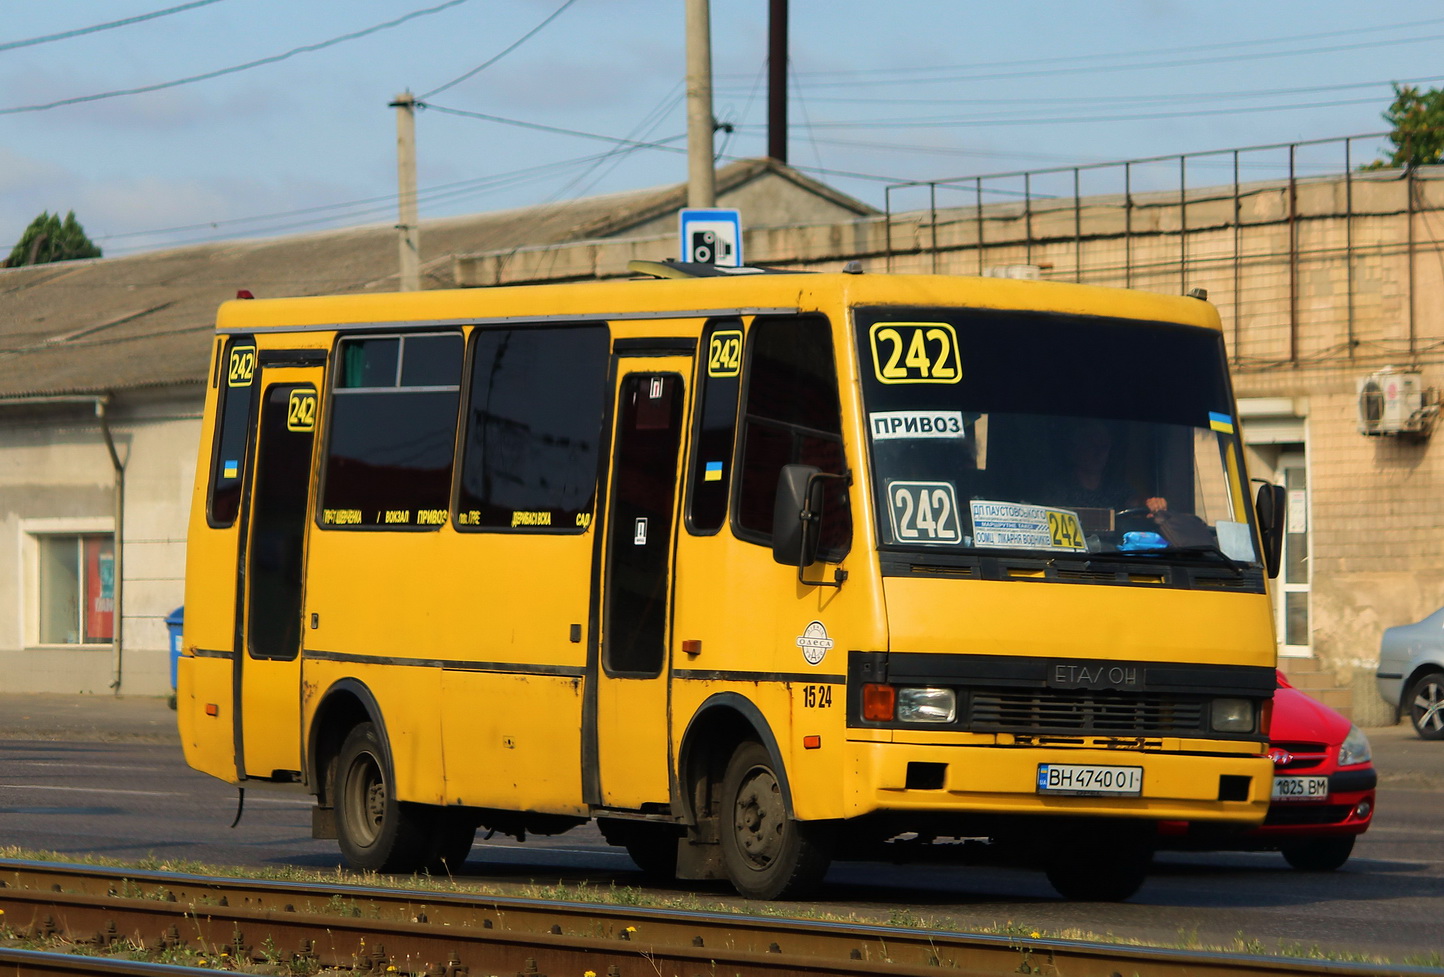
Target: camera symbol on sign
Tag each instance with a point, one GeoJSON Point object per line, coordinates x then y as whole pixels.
{"type": "Point", "coordinates": [708, 247]}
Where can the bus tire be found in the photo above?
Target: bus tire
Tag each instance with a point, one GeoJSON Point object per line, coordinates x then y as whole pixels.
{"type": "Point", "coordinates": [1105, 866]}
{"type": "Point", "coordinates": [376, 832]}
{"type": "Point", "coordinates": [766, 853]}
{"type": "Point", "coordinates": [452, 834]}
{"type": "Point", "coordinates": [653, 847]}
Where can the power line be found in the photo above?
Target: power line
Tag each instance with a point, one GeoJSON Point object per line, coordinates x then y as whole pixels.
{"type": "Point", "coordinates": [1011, 119]}
{"type": "Point", "coordinates": [1071, 59]}
{"type": "Point", "coordinates": [1165, 98]}
{"type": "Point", "coordinates": [305, 49]}
{"type": "Point", "coordinates": [821, 171]}
{"type": "Point", "coordinates": [493, 60]}
{"type": "Point", "coordinates": [1163, 63]}
{"type": "Point", "coordinates": [639, 144]}
{"type": "Point", "coordinates": [79, 31]}
{"type": "Point", "coordinates": [352, 209]}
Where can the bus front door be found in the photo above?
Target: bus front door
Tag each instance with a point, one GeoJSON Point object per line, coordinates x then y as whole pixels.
{"type": "Point", "coordinates": [632, 686]}
{"type": "Point", "coordinates": [272, 576]}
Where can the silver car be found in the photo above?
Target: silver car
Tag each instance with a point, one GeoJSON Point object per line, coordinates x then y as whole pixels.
{"type": "Point", "coordinates": [1411, 673]}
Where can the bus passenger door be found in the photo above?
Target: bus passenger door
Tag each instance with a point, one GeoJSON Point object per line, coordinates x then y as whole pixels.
{"type": "Point", "coordinates": [273, 574]}
{"type": "Point", "coordinates": [633, 747]}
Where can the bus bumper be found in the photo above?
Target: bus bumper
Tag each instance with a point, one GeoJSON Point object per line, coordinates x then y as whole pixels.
{"type": "Point", "coordinates": [899, 777]}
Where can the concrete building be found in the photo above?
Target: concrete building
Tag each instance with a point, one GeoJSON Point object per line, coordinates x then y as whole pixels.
{"type": "Point", "coordinates": [102, 371]}
{"type": "Point", "coordinates": [1323, 283]}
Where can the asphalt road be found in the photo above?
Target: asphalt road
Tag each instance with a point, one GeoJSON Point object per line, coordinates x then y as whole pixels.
{"type": "Point", "coordinates": [124, 792]}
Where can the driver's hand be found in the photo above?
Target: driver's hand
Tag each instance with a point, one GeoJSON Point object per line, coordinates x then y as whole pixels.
{"type": "Point", "coordinates": [1155, 506]}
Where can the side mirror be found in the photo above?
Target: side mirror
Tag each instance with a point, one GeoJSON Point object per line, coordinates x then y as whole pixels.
{"type": "Point", "coordinates": [796, 511]}
{"type": "Point", "coordinates": [1270, 508]}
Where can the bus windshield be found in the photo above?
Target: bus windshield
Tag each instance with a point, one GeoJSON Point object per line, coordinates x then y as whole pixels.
{"type": "Point", "coordinates": [1051, 434]}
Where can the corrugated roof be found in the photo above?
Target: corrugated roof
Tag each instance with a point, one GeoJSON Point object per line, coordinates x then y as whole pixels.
{"type": "Point", "coordinates": [145, 320]}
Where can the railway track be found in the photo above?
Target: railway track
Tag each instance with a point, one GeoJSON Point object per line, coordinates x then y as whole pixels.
{"type": "Point", "coordinates": [382, 931]}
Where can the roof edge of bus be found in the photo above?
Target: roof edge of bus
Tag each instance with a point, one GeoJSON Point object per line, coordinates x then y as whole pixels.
{"type": "Point", "coordinates": [771, 290]}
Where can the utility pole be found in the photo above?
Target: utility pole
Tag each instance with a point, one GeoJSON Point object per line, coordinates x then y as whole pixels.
{"type": "Point", "coordinates": [409, 231]}
{"type": "Point", "coordinates": [777, 80]}
{"type": "Point", "coordinates": [701, 179]}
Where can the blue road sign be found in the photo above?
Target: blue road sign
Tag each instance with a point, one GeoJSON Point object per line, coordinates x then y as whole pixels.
{"type": "Point", "coordinates": [711, 236]}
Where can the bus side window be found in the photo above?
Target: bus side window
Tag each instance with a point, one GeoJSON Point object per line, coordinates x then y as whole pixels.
{"type": "Point", "coordinates": [392, 431]}
{"type": "Point", "coordinates": [791, 416]}
{"type": "Point", "coordinates": [237, 392]}
{"type": "Point", "coordinates": [719, 380]}
{"type": "Point", "coordinates": [532, 444]}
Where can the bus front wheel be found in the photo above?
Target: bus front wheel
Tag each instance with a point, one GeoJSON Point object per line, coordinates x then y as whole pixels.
{"type": "Point", "coordinates": [767, 854]}
{"type": "Point", "coordinates": [1108, 864]}
{"type": "Point", "coordinates": [376, 832]}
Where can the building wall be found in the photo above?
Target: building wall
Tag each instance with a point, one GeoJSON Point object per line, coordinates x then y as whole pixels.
{"type": "Point", "coordinates": [56, 476]}
{"type": "Point", "coordinates": [1319, 282]}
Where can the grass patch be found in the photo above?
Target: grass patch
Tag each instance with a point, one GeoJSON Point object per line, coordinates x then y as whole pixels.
{"type": "Point", "coordinates": [614, 895]}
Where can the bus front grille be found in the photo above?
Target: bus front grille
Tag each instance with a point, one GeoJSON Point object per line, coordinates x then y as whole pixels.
{"type": "Point", "coordinates": [1068, 711]}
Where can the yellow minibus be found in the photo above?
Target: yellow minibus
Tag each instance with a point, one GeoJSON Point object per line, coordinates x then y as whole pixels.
{"type": "Point", "coordinates": [755, 569]}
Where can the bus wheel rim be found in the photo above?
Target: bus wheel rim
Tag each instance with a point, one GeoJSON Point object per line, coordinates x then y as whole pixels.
{"type": "Point", "coordinates": [759, 818]}
{"type": "Point", "coordinates": [366, 799]}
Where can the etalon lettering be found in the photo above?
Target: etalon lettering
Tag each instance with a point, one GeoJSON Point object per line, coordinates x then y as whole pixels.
{"type": "Point", "coordinates": [1097, 676]}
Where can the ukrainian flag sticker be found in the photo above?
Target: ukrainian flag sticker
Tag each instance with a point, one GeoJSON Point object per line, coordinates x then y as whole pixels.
{"type": "Point", "coordinates": [712, 472]}
{"type": "Point", "coordinates": [1220, 422]}
{"type": "Point", "coordinates": [230, 469]}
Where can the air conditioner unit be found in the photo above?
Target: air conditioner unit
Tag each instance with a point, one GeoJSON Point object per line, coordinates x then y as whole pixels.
{"type": "Point", "coordinates": [1394, 401]}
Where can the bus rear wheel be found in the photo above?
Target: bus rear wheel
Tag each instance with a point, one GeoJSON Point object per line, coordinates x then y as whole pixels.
{"type": "Point", "coordinates": [653, 847]}
{"type": "Point", "coordinates": [453, 832]}
{"type": "Point", "coordinates": [767, 854]}
{"type": "Point", "coordinates": [376, 832]}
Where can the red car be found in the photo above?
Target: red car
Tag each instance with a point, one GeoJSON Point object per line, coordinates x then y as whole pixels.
{"type": "Point", "coordinates": [1323, 791]}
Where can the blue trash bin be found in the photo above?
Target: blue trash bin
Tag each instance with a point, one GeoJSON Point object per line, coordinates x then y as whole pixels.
{"type": "Point", "coordinates": [173, 622]}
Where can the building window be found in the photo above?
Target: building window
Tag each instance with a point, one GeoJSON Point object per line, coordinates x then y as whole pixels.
{"type": "Point", "coordinates": [76, 589]}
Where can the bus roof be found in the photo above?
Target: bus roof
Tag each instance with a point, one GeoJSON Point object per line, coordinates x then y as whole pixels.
{"type": "Point", "coordinates": [616, 299]}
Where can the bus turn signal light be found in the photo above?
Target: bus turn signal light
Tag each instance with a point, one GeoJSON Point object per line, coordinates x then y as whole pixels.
{"type": "Point", "coordinates": [879, 702]}
{"type": "Point", "coordinates": [212, 709]}
{"type": "Point", "coordinates": [812, 742]}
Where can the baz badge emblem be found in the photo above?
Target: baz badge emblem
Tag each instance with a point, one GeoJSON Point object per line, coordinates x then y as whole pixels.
{"type": "Point", "coordinates": [814, 643]}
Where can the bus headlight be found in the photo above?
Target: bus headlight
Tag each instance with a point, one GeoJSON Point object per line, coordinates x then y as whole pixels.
{"type": "Point", "coordinates": [1231, 716]}
{"type": "Point", "coordinates": [927, 705]}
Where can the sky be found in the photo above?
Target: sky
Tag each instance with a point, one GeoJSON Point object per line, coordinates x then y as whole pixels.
{"type": "Point", "coordinates": [301, 137]}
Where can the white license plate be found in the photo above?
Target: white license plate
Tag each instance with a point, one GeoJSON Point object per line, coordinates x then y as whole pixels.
{"type": "Point", "coordinates": [1301, 788]}
{"type": "Point", "coordinates": [1089, 778]}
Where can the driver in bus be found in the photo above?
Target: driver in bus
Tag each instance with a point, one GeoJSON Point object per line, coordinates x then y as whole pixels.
{"type": "Point", "coordinates": [1090, 482]}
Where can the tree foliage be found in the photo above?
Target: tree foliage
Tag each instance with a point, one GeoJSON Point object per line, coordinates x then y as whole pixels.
{"type": "Point", "coordinates": [48, 238]}
{"type": "Point", "coordinates": [1417, 118]}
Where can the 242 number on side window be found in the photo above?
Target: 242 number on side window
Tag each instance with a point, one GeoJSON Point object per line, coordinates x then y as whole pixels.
{"type": "Point", "coordinates": [301, 410]}
{"type": "Point", "coordinates": [241, 366]}
{"type": "Point", "coordinates": [724, 353]}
